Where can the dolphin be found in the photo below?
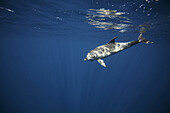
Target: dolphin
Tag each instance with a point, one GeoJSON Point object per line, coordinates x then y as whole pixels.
{"type": "Point", "coordinates": [111, 48]}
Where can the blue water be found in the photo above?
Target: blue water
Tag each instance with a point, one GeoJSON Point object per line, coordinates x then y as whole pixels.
{"type": "Point", "coordinates": [43, 44]}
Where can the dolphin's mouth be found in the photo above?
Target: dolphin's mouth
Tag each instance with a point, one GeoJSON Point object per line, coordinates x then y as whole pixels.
{"type": "Point", "coordinates": [85, 59]}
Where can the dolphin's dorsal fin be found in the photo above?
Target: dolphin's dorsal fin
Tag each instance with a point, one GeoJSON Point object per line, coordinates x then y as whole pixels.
{"type": "Point", "coordinates": [112, 41]}
{"type": "Point", "coordinates": [101, 62]}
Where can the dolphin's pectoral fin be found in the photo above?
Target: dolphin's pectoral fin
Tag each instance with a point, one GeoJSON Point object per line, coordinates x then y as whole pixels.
{"type": "Point", "coordinates": [101, 62]}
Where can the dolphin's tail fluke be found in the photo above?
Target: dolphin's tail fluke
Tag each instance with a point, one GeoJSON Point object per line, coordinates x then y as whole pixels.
{"type": "Point", "coordinates": [143, 40]}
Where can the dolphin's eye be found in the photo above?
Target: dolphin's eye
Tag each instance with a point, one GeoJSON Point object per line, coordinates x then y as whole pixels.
{"type": "Point", "coordinates": [92, 55]}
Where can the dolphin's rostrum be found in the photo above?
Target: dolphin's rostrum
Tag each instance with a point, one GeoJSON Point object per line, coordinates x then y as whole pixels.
{"type": "Point", "coordinates": [112, 47]}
